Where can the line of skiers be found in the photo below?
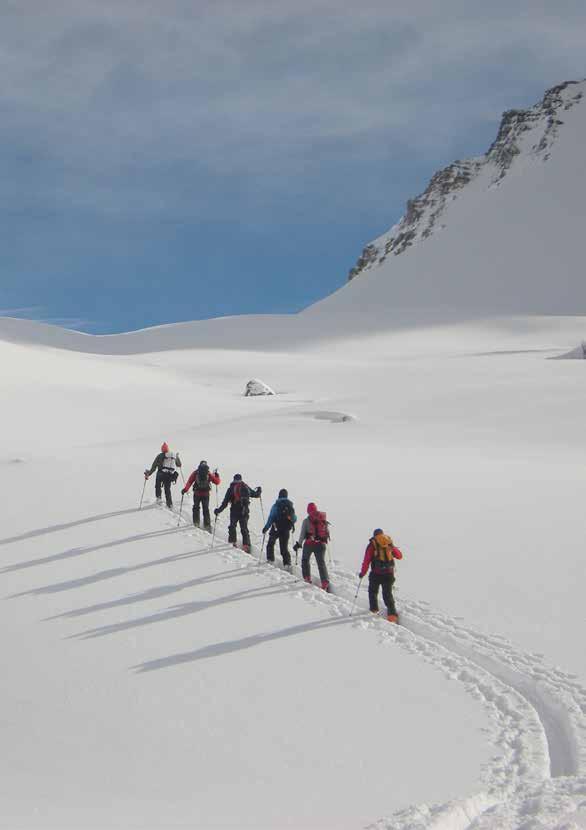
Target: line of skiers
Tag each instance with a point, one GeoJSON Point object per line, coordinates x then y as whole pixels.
{"type": "Point", "coordinates": [314, 535]}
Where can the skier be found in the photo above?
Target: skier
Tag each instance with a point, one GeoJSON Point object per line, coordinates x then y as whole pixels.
{"type": "Point", "coordinates": [314, 536]}
{"type": "Point", "coordinates": [380, 556]}
{"type": "Point", "coordinates": [238, 496]}
{"type": "Point", "coordinates": [280, 523]}
{"type": "Point", "coordinates": [165, 464]}
{"type": "Point", "coordinates": [202, 480]}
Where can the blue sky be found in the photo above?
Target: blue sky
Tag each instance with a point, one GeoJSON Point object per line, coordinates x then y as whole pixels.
{"type": "Point", "coordinates": [179, 160]}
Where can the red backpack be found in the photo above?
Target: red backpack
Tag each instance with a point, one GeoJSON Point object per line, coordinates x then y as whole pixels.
{"type": "Point", "coordinates": [318, 526]}
{"type": "Point", "coordinates": [240, 493]}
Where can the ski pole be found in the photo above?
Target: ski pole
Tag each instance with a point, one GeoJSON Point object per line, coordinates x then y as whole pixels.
{"type": "Point", "coordinates": [330, 554]}
{"type": "Point", "coordinates": [142, 496]}
{"type": "Point", "coordinates": [261, 548]}
{"type": "Point", "coordinates": [262, 510]}
{"type": "Point", "coordinates": [356, 595]}
{"type": "Point", "coordinates": [180, 509]}
{"type": "Point", "coordinates": [214, 533]}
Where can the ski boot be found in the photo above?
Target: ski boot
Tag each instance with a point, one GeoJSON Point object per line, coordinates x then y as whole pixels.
{"type": "Point", "coordinates": [325, 585]}
{"type": "Point", "coordinates": [307, 579]}
{"type": "Point", "coordinates": [393, 618]}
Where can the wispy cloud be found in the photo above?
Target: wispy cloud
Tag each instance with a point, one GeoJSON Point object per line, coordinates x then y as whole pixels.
{"type": "Point", "coordinates": [127, 106]}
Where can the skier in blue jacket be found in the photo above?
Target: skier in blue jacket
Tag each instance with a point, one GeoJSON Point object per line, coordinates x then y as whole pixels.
{"type": "Point", "coordinates": [280, 523]}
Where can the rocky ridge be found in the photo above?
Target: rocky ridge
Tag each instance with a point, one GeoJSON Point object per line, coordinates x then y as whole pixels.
{"type": "Point", "coordinates": [530, 131]}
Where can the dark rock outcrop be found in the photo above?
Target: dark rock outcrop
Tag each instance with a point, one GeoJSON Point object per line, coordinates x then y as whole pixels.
{"type": "Point", "coordinates": [532, 131]}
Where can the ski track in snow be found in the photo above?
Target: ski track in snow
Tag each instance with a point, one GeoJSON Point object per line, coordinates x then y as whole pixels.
{"type": "Point", "coordinates": [537, 778]}
{"type": "Point", "coordinates": [535, 781]}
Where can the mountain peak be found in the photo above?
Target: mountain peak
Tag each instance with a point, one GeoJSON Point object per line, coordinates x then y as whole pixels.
{"type": "Point", "coordinates": [522, 133]}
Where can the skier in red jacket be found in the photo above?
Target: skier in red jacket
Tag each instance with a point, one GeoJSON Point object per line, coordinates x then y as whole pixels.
{"type": "Point", "coordinates": [202, 480]}
{"type": "Point", "coordinates": [380, 556]}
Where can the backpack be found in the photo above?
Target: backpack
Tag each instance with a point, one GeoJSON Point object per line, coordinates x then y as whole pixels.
{"type": "Point", "coordinates": [318, 527]}
{"type": "Point", "coordinates": [383, 552]}
{"type": "Point", "coordinates": [284, 517]}
{"type": "Point", "coordinates": [240, 493]}
{"type": "Point", "coordinates": [202, 481]}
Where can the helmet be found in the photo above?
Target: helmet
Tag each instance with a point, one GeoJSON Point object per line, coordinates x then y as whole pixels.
{"type": "Point", "coordinates": [164, 447]}
{"type": "Point", "coordinates": [283, 494]}
{"type": "Point", "coordinates": [377, 530]}
{"type": "Point", "coordinates": [311, 508]}
{"type": "Point", "coordinates": [237, 477]}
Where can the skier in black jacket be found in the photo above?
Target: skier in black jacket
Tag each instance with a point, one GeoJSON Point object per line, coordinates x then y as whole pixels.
{"type": "Point", "coordinates": [165, 464]}
{"type": "Point", "coordinates": [238, 496]}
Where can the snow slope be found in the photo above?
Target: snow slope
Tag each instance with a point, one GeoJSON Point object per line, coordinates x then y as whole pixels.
{"type": "Point", "coordinates": [152, 682]}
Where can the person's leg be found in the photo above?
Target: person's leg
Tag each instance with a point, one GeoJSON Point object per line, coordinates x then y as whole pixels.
{"type": "Point", "coordinates": [320, 556]}
{"type": "Point", "coordinates": [389, 600]}
{"type": "Point", "coordinates": [271, 544]}
{"type": "Point", "coordinates": [205, 506]}
{"type": "Point", "coordinates": [244, 530]}
{"type": "Point", "coordinates": [284, 546]}
{"type": "Point", "coordinates": [305, 566]}
{"type": "Point", "coordinates": [158, 482]}
{"type": "Point", "coordinates": [232, 526]}
{"type": "Point", "coordinates": [196, 502]}
{"type": "Point", "coordinates": [373, 584]}
{"type": "Point", "coordinates": [167, 486]}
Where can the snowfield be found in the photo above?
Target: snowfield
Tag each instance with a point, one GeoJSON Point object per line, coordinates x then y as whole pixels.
{"type": "Point", "coordinates": [150, 681]}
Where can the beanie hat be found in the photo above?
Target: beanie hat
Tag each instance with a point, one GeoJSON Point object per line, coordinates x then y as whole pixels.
{"type": "Point", "coordinates": [237, 477]}
{"type": "Point", "coordinates": [164, 447]}
{"type": "Point", "coordinates": [283, 494]}
{"type": "Point", "coordinates": [311, 507]}
{"type": "Point", "coordinates": [377, 530]}
{"type": "Point", "coordinates": [201, 463]}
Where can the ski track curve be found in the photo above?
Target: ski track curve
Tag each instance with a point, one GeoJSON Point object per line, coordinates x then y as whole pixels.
{"type": "Point", "coordinates": [536, 780]}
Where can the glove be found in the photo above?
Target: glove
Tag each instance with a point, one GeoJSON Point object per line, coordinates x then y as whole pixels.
{"type": "Point", "coordinates": [296, 547]}
{"type": "Point", "coordinates": [146, 474]}
{"type": "Point", "coordinates": [183, 492]}
{"type": "Point", "coordinates": [265, 530]}
{"type": "Point", "coordinates": [258, 491]}
{"type": "Point", "coordinates": [217, 511]}
{"type": "Point", "coordinates": [361, 575]}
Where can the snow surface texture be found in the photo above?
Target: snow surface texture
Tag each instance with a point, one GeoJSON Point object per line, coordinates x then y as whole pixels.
{"type": "Point", "coordinates": [502, 232]}
{"type": "Point", "coordinates": [151, 681]}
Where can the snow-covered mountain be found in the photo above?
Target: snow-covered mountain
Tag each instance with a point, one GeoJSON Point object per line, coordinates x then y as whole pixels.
{"type": "Point", "coordinates": [502, 232]}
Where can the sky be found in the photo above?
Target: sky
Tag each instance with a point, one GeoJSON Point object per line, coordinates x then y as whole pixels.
{"type": "Point", "coordinates": [181, 160]}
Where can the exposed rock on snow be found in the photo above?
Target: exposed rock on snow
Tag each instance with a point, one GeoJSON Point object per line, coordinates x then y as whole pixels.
{"type": "Point", "coordinates": [530, 132]}
{"type": "Point", "coordinates": [257, 387]}
{"type": "Point", "coordinates": [579, 353]}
